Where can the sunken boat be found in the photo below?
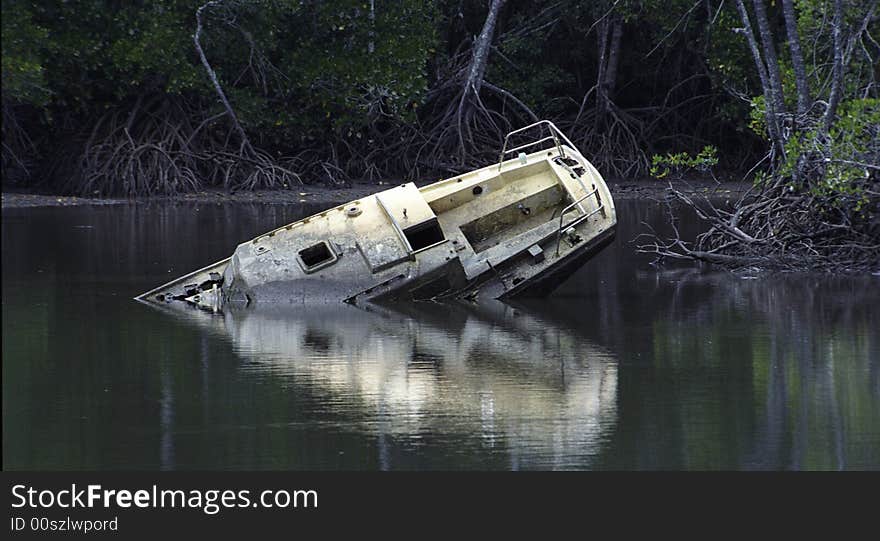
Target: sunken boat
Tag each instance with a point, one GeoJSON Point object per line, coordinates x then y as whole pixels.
{"type": "Point", "coordinates": [515, 228]}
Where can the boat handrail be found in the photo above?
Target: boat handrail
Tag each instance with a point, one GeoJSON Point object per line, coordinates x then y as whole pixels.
{"type": "Point", "coordinates": [556, 136]}
{"type": "Point", "coordinates": [577, 220]}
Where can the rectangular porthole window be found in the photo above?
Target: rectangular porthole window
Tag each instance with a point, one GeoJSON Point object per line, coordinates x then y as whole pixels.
{"type": "Point", "coordinates": [316, 257]}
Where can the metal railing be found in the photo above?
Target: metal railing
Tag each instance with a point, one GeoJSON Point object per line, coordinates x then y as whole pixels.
{"type": "Point", "coordinates": [577, 220]}
{"type": "Point", "coordinates": [558, 138]}
{"type": "Point", "coordinates": [555, 135]}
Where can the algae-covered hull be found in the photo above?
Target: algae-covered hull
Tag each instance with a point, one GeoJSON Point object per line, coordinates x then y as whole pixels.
{"type": "Point", "coordinates": [514, 228]}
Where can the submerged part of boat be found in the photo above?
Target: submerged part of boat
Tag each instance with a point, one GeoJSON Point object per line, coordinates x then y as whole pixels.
{"type": "Point", "coordinates": [515, 228]}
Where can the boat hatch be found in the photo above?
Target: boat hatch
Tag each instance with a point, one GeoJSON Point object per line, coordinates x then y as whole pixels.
{"type": "Point", "coordinates": [414, 227]}
{"type": "Point", "coordinates": [316, 257]}
{"type": "Point", "coordinates": [424, 235]}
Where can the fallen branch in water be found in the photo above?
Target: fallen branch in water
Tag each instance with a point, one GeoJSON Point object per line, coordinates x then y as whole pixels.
{"type": "Point", "coordinates": [774, 228]}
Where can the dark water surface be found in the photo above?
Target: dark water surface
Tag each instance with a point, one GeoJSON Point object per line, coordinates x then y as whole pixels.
{"type": "Point", "coordinates": [627, 367]}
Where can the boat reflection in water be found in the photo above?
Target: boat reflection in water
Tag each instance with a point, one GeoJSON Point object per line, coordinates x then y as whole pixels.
{"type": "Point", "coordinates": [501, 378]}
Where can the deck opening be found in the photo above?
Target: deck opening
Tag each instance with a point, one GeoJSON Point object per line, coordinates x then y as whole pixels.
{"type": "Point", "coordinates": [513, 219]}
{"type": "Point", "coordinates": [424, 234]}
{"type": "Point", "coordinates": [316, 256]}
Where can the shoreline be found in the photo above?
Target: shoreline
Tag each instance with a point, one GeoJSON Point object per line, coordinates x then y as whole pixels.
{"type": "Point", "coordinates": [620, 190]}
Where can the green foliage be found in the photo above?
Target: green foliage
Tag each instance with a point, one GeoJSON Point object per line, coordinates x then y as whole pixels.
{"type": "Point", "coordinates": [23, 73]}
{"type": "Point", "coordinates": [96, 53]}
{"type": "Point", "coordinates": [761, 178]}
{"type": "Point", "coordinates": [662, 166]}
{"type": "Point", "coordinates": [525, 70]}
{"type": "Point", "coordinates": [522, 73]}
{"type": "Point", "coordinates": [350, 69]}
{"type": "Point", "coordinates": [727, 54]}
{"type": "Point", "coordinates": [320, 76]}
{"type": "Point", "coordinates": [758, 116]}
{"type": "Point", "coordinates": [91, 53]}
{"type": "Point", "coordinates": [847, 152]}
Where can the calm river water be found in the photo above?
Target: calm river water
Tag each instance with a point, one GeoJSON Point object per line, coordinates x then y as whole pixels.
{"type": "Point", "coordinates": [627, 367]}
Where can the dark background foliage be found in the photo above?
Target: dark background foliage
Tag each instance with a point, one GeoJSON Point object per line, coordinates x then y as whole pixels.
{"type": "Point", "coordinates": [109, 97]}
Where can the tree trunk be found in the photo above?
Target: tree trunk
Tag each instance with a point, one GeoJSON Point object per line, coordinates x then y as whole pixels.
{"type": "Point", "coordinates": [837, 67]}
{"type": "Point", "coordinates": [609, 53]}
{"type": "Point", "coordinates": [613, 56]}
{"type": "Point", "coordinates": [772, 62]}
{"type": "Point", "coordinates": [371, 46]}
{"type": "Point", "coordinates": [770, 114]}
{"type": "Point", "coordinates": [482, 46]}
{"type": "Point", "coordinates": [245, 142]}
{"type": "Point", "coordinates": [602, 42]}
{"type": "Point", "coordinates": [797, 57]}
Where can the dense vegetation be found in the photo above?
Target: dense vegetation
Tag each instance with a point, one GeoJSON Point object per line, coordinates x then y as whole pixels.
{"type": "Point", "coordinates": [166, 96]}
